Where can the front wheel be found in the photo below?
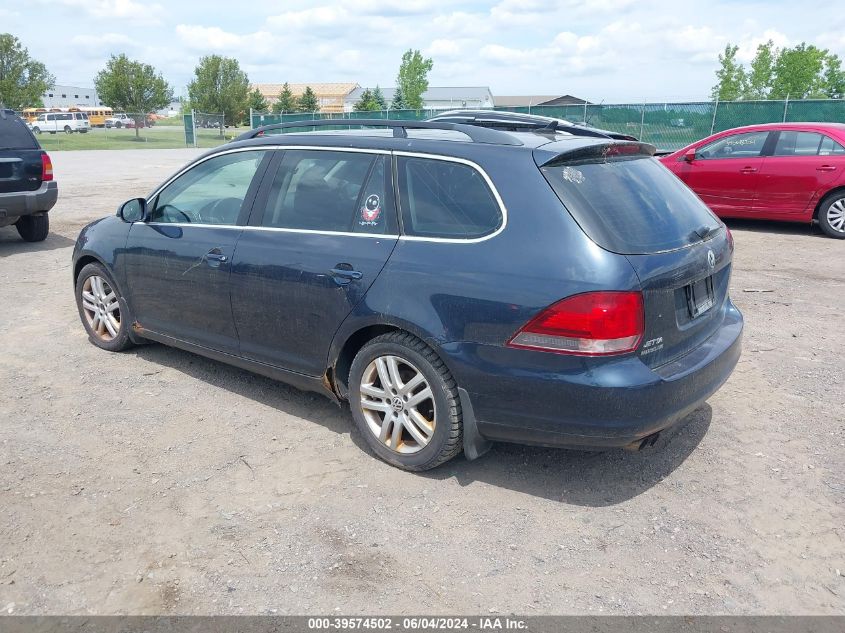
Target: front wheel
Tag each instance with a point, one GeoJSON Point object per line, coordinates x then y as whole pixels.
{"type": "Point", "coordinates": [102, 310]}
{"type": "Point", "coordinates": [33, 228]}
{"type": "Point", "coordinates": [832, 216]}
{"type": "Point", "coordinates": [118, 125]}
{"type": "Point", "coordinates": [405, 402]}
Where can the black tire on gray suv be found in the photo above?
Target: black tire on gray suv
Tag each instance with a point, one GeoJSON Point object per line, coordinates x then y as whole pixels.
{"type": "Point", "coordinates": [33, 228]}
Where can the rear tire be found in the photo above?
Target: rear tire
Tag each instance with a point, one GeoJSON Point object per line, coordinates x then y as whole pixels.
{"type": "Point", "coordinates": [118, 125]}
{"type": "Point", "coordinates": [832, 216]}
{"type": "Point", "coordinates": [104, 312]}
{"type": "Point", "coordinates": [410, 411]}
{"type": "Point", "coordinates": [68, 130]}
{"type": "Point", "coordinates": [36, 130]}
{"type": "Point", "coordinates": [33, 228]}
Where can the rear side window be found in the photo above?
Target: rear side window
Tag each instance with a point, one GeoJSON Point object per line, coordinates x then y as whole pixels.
{"type": "Point", "coordinates": [630, 205]}
{"type": "Point", "coordinates": [446, 199]}
{"type": "Point", "coordinates": [14, 133]}
{"type": "Point", "coordinates": [806, 144]}
{"type": "Point", "coordinates": [340, 192]}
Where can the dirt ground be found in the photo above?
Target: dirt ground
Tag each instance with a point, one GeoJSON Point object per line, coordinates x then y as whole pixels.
{"type": "Point", "coordinates": [158, 482]}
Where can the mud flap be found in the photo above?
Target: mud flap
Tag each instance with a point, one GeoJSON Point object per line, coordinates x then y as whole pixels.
{"type": "Point", "coordinates": [474, 444]}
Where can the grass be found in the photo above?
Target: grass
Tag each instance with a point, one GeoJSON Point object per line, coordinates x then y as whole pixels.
{"type": "Point", "coordinates": [157, 137]}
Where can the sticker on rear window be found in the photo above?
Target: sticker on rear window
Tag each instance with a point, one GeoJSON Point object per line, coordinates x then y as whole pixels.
{"type": "Point", "coordinates": [371, 211]}
{"type": "Point", "coordinates": [573, 175]}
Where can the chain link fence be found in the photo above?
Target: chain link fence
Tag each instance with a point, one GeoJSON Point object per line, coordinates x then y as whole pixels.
{"type": "Point", "coordinates": [669, 126]}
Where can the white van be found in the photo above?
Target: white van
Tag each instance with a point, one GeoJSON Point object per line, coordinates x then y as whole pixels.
{"type": "Point", "coordinates": [67, 122]}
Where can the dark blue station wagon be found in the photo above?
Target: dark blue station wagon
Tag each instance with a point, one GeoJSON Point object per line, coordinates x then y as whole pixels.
{"type": "Point", "coordinates": [456, 285]}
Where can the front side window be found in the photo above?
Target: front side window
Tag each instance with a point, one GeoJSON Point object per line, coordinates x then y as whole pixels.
{"type": "Point", "coordinates": [747, 145]}
{"type": "Point", "coordinates": [331, 191]}
{"type": "Point", "coordinates": [446, 199]}
{"type": "Point", "coordinates": [213, 192]}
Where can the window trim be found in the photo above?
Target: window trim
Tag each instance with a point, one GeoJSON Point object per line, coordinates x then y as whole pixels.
{"type": "Point", "coordinates": [765, 150]}
{"type": "Point", "coordinates": [457, 240]}
{"type": "Point", "coordinates": [392, 153]}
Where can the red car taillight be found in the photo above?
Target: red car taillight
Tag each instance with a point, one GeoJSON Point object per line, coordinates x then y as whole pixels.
{"type": "Point", "coordinates": [46, 167]}
{"type": "Point", "coordinates": [589, 324]}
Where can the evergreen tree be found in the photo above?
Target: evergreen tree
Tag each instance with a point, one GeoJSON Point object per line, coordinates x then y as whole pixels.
{"type": "Point", "coordinates": [308, 101]}
{"type": "Point", "coordinates": [286, 102]}
{"type": "Point", "coordinates": [378, 97]}
{"type": "Point", "coordinates": [398, 102]}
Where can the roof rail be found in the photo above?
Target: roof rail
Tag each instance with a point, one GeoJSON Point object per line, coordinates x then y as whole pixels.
{"type": "Point", "coordinates": [400, 129]}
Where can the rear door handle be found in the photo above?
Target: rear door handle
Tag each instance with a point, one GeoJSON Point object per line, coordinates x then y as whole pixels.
{"type": "Point", "coordinates": [748, 170]}
{"type": "Point", "coordinates": [826, 168]}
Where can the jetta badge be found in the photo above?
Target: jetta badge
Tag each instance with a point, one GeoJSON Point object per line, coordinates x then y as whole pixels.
{"type": "Point", "coordinates": [711, 259]}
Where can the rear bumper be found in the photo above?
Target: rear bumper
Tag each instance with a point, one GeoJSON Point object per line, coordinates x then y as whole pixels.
{"type": "Point", "coordinates": [546, 399]}
{"type": "Point", "coordinates": [19, 203]}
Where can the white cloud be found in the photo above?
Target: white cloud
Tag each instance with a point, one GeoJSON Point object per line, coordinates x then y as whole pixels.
{"type": "Point", "coordinates": [139, 13]}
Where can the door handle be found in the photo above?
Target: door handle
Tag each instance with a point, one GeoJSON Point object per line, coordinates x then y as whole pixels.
{"type": "Point", "coordinates": [214, 258]}
{"type": "Point", "coordinates": [748, 170]}
{"type": "Point", "coordinates": [343, 275]}
{"type": "Point", "coordinates": [826, 168]}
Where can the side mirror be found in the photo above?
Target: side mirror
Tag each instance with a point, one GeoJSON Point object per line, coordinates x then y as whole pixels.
{"type": "Point", "coordinates": [689, 156]}
{"type": "Point", "coordinates": [133, 210]}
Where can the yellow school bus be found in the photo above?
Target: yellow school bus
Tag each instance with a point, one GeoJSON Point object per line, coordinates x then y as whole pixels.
{"type": "Point", "coordinates": [31, 114]}
{"type": "Point", "coordinates": [96, 115]}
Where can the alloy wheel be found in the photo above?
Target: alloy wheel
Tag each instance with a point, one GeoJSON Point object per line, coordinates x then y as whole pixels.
{"type": "Point", "coordinates": [101, 307]}
{"type": "Point", "coordinates": [398, 404]}
{"type": "Point", "coordinates": [836, 215]}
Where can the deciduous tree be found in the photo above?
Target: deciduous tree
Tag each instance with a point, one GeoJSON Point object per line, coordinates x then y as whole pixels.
{"type": "Point", "coordinates": [413, 77]}
{"type": "Point", "coordinates": [134, 87]}
{"type": "Point", "coordinates": [220, 86]}
{"type": "Point", "coordinates": [22, 79]}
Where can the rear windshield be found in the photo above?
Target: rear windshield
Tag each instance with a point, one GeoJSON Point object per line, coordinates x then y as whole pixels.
{"type": "Point", "coordinates": [630, 205]}
{"type": "Point", "coordinates": [14, 134]}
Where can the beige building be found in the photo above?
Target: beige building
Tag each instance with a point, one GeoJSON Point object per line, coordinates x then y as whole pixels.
{"type": "Point", "coordinates": [331, 97]}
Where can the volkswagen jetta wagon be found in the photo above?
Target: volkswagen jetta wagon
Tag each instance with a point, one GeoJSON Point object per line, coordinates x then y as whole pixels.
{"type": "Point", "coordinates": [456, 285]}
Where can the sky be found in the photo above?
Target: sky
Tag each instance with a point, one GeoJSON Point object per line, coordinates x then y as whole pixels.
{"type": "Point", "coordinates": [600, 50]}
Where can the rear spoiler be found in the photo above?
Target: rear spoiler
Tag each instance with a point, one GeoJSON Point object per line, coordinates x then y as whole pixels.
{"type": "Point", "coordinates": [598, 152]}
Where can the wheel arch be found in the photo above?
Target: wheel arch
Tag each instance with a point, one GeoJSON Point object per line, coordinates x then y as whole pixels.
{"type": "Point", "coordinates": [346, 347]}
{"type": "Point", "coordinates": [82, 261]}
{"type": "Point", "coordinates": [823, 199]}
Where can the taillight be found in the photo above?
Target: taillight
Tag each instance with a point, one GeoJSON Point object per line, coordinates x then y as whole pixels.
{"type": "Point", "coordinates": [46, 167]}
{"type": "Point", "coordinates": [589, 324]}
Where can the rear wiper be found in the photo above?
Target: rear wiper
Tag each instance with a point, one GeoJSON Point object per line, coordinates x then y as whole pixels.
{"type": "Point", "coordinates": [705, 232]}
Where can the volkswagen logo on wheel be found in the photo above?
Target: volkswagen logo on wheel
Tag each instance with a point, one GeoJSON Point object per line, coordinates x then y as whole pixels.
{"type": "Point", "coordinates": [711, 259]}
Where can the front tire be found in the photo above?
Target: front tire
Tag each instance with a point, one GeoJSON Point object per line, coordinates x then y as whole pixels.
{"type": "Point", "coordinates": [103, 311]}
{"type": "Point", "coordinates": [405, 402]}
{"type": "Point", "coordinates": [33, 228]}
{"type": "Point", "coordinates": [832, 216]}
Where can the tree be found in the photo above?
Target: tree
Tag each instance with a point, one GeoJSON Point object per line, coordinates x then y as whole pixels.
{"type": "Point", "coordinates": [308, 101]}
{"type": "Point", "coordinates": [378, 97]}
{"type": "Point", "coordinates": [220, 85]}
{"type": "Point", "coordinates": [22, 79]}
{"type": "Point", "coordinates": [286, 101]}
{"type": "Point", "coordinates": [797, 72]}
{"type": "Point", "coordinates": [833, 80]}
{"type": "Point", "coordinates": [759, 80]}
{"type": "Point", "coordinates": [413, 77]}
{"type": "Point", "coordinates": [134, 87]}
{"type": "Point", "coordinates": [257, 102]}
{"type": "Point", "coordinates": [398, 102]}
{"type": "Point", "coordinates": [367, 102]}
{"type": "Point", "coordinates": [730, 76]}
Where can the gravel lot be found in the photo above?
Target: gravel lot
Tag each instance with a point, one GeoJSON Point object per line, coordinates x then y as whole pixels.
{"type": "Point", "coordinates": [156, 481]}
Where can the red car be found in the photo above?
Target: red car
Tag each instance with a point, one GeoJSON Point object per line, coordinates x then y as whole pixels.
{"type": "Point", "coordinates": [792, 172]}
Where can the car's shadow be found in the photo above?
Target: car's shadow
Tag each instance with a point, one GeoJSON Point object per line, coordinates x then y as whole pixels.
{"type": "Point", "coordinates": [12, 244]}
{"type": "Point", "coordinates": [771, 226]}
{"type": "Point", "coordinates": [576, 477]}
